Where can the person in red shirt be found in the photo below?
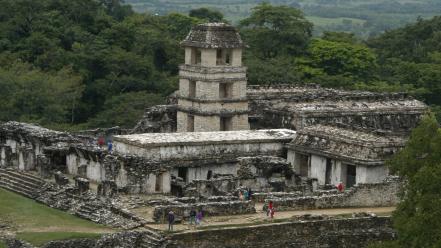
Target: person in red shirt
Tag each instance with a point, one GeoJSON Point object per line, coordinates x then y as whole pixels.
{"type": "Point", "coordinates": [270, 207]}
{"type": "Point", "coordinates": [340, 187]}
{"type": "Point", "coordinates": [101, 141]}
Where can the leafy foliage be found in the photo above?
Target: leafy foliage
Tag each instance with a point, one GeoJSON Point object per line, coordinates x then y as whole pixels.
{"type": "Point", "coordinates": [206, 14]}
{"type": "Point", "coordinates": [70, 58]}
{"type": "Point", "coordinates": [419, 163]}
{"type": "Point", "coordinates": [275, 30]}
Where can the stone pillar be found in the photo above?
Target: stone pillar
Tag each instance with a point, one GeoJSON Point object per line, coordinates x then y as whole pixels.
{"type": "Point", "coordinates": [318, 169]}
{"type": "Point", "coordinates": [61, 179]}
{"type": "Point", "coordinates": [82, 170]}
{"type": "Point", "coordinates": [82, 185]}
{"type": "Point", "coordinates": [107, 189]}
{"type": "Point", "coordinates": [338, 172]}
{"type": "Point", "coordinates": [44, 166]}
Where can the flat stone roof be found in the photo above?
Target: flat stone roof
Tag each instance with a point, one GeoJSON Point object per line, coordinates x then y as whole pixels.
{"type": "Point", "coordinates": [353, 146]}
{"type": "Point", "coordinates": [363, 137]}
{"type": "Point", "coordinates": [201, 138]}
{"type": "Point", "coordinates": [341, 106]}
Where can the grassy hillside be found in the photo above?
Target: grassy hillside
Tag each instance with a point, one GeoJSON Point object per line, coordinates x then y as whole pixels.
{"type": "Point", "coordinates": [39, 224]}
{"type": "Point", "coordinates": [363, 17]}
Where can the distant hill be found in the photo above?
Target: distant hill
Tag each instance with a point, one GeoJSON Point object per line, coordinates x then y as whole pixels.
{"type": "Point", "coordinates": [362, 17]}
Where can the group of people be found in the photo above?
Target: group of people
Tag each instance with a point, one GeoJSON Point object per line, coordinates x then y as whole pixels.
{"type": "Point", "coordinates": [101, 142]}
{"type": "Point", "coordinates": [195, 217]}
{"type": "Point", "coordinates": [245, 195]}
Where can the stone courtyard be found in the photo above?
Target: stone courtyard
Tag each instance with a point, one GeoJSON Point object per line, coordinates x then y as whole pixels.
{"type": "Point", "coordinates": [290, 145]}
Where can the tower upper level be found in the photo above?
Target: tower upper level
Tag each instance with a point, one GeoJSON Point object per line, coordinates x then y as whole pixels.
{"type": "Point", "coordinates": [213, 44]}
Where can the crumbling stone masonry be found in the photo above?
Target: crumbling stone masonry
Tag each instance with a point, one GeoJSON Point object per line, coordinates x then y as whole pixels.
{"type": "Point", "coordinates": [384, 194]}
{"type": "Point", "coordinates": [334, 154]}
{"type": "Point", "coordinates": [209, 209]}
{"type": "Point", "coordinates": [345, 233]}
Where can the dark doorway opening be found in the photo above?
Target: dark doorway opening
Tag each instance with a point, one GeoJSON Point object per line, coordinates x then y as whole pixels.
{"type": "Point", "coordinates": [351, 175]}
{"type": "Point", "coordinates": [182, 173]}
{"type": "Point", "coordinates": [209, 174]}
{"type": "Point", "coordinates": [328, 171]}
{"type": "Point", "coordinates": [158, 184]}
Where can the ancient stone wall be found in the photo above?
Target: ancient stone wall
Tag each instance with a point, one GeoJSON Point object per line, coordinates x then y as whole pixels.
{"type": "Point", "coordinates": [383, 194]}
{"type": "Point", "coordinates": [157, 119]}
{"type": "Point", "coordinates": [353, 232]}
{"type": "Point", "coordinates": [208, 208]}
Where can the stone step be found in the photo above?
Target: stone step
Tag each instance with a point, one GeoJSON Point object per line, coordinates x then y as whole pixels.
{"type": "Point", "coordinates": [26, 176]}
{"type": "Point", "coordinates": [20, 180]}
{"type": "Point", "coordinates": [15, 190]}
{"type": "Point", "coordinates": [18, 185]}
{"type": "Point", "coordinates": [21, 186]}
{"type": "Point", "coordinates": [154, 234]}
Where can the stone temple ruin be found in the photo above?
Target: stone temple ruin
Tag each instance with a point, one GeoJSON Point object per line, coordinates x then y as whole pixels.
{"type": "Point", "coordinates": [288, 144]}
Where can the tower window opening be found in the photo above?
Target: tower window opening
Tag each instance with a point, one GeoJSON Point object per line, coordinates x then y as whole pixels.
{"type": "Point", "coordinates": [223, 56]}
{"type": "Point", "coordinates": [192, 89]}
{"type": "Point", "coordinates": [226, 124]}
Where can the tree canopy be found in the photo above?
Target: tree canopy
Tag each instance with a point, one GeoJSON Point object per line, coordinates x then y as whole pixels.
{"type": "Point", "coordinates": [275, 30]}
{"type": "Point", "coordinates": [419, 164]}
{"type": "Point", "coordinates": [103, 53]}
{"type": "Point", "coordinates": [207, 15]}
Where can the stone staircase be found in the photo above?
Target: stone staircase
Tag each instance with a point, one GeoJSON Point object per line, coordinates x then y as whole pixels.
{"type": "Point", "coordinates": [151, 239]}
{"type": "Point", "coordinates": [20, 182]}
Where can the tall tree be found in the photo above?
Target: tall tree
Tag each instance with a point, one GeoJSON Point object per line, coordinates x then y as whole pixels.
{"type": "Point", "coordinates": [276, 30]}
{"type": "Point", "coordinates": [208, 15]}
{"type": "Point", "coordinates": [419, 164]}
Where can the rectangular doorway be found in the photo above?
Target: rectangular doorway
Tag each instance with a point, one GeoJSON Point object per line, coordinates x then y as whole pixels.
{"type": "Point", "coordinates": [190, 123]}
{"type": "Point", "coordinates": [226, 124]}
{"type": "Point", "coordinates": [158, 183]}
{"type": "Point", "coordinates": [328, 172]}
{"type": "Point", "coordinates": [304, 164]}
{"type": "Point", "coordinates": [182, 173]}
{"type": "Point", "coordinates": [351, 175]}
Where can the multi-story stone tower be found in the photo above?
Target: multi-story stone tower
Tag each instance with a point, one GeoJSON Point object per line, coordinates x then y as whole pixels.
{"type": "Point", "coordinates": [212, 84]}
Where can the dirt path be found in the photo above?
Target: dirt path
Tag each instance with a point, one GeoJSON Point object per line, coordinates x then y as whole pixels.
{"type": "Point", "coordinates": [260, 217]}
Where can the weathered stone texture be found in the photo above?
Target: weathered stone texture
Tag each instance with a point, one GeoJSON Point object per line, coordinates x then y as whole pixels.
{"type": "Point", "coordinates": [213, 35]}
{"type": "Point", "coordinates": [345, 233]}
{"type": "Point", "coordinates": [362, 195]}
{"type": "Point", "coordinates": [157, 119]}
{"type": "Point", "coordinates": [353, 146]}
{"type": "Point", "coordinates": [208, 208]}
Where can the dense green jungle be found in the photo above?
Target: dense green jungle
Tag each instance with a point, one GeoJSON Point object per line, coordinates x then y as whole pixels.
{"type": "Point", "coordinates": [97, 63]}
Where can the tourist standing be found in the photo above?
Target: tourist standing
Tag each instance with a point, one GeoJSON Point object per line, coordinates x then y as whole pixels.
{"type": "Point", "coordinates": [249, 194]}
{"type": "Point", "coordinates": [240, 195]}
{"type": "Point", "coordinates": [272, 210]}
{"type": "Point", "coordinates": [171, 220]}
{"type": "Point", "coordinates": [245, 195]}
{"type": "Point", "coordinates": [192, 216]}
{"type": "Point", "coordinates": [270, 206]}
{"type": "Point", "coordinates": [199, 217]}
{"type": "Point", "coordinates": [109, 146]}
{"type": "Point", "coordinates": [101, 141]}
{"type": "Point", "coordinates": [340, 187]}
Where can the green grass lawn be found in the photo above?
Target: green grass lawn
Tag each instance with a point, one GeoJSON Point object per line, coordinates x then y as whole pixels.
{"type": "Point", "coordinates": [38, 223]}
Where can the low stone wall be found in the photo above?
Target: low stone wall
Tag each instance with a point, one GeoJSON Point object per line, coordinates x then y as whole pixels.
{"type": "Point", "coordinates": [353, 232]}
{"type": "Point", "coordinates": [208, 208]}
{"type": "Point", "coordinates": [261, 197]}
{"type": "Point", "coordinates": [383, 194]}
